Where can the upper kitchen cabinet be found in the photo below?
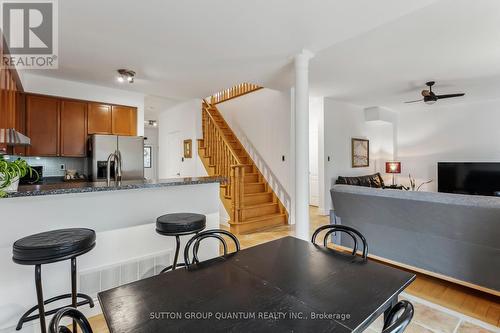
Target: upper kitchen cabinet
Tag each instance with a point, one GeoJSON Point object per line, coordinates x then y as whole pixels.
{"type": "Point", "coordinates": [73, 138]}
{"type": "Point", "coordinates": [124, 120]}
{"type": "Point", "coordinates": [108, 119]}
{"type": "Point", "coordinates": [42, 125]}
{"type": "Point", "coordinates": [99, 119]}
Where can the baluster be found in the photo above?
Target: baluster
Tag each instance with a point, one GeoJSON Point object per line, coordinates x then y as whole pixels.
{"type": "Point", "coordinates": [242, 188]}
{"type": "Point", "coordinates": [226, 162]}
{"type": "Point", "coordinates": [233, 192]}
{"type": "Point", "coordinates": [226, 169]}
{"type": "Point", "coordinates": [212, 136]}
{"type": "Point", "coordinates": [216, 147]}
{"type": "Point", "coordinates": [209, 138]}
{"type": "Point", "coordinates": [219, 156]}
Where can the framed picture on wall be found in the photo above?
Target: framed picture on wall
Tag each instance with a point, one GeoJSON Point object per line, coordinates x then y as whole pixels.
{"type": "Point", "coordinates": [360, 153]}
{"type": "Point", "coordinates": [188, 148]}
{"type": "Point", "coordinates": [147, 157]}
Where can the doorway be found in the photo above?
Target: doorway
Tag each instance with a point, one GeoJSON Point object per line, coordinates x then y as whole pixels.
{"type": "Point", "coordinates": [174, 154]}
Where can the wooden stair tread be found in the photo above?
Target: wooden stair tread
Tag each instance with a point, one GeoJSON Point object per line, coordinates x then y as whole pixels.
{"type": "Point", "coordinates": [257, 194]}
{"type": "Point", "coordinates": [262, 218]}
{"type": "Point", "coordinates": [262, 205]}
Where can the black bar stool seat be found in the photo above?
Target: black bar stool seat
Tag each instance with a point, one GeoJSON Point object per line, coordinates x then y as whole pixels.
{"type": "Point", "coordinates": [49, 247]}
{"type": "Point", "coordinates": [53, 246]}
{"type": "Point", "coordinates": [179, 224]}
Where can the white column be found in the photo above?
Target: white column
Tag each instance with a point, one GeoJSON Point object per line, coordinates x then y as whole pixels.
{"type": "Point", "coordinates": [302, 144]}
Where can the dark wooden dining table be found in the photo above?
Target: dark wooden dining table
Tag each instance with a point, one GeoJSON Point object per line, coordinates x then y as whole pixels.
{"type": "Point", "coordinates": [286, 285]}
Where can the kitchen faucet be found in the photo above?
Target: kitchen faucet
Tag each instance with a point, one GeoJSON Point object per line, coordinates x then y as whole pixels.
{"type": "Point", "coordinates": [117, 158]}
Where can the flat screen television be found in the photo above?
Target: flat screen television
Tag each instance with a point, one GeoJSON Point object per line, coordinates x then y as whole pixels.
{"type": "Point", "coordinates": [469, 178]}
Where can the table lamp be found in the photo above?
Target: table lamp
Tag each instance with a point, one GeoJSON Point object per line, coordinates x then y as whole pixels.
{"type": "Point", "coordinates": [393, 167]}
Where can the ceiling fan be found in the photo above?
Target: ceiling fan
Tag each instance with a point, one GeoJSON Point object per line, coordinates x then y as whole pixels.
{"type": "Point", "coordinates": [430, 97]}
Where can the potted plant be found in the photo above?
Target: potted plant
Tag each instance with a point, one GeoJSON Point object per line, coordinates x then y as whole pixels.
{"type": "Point", "coordinates": [11, 172]}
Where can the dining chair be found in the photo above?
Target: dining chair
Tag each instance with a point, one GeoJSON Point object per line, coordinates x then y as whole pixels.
{"type": "Point", "coordinates": [398, 318]}
{"type": "Point", "coordinates": [213, 233]}
{"type": "Point", "coordinates": [345, 229]}
{"type": "Point", "coordinates": [78, 319]}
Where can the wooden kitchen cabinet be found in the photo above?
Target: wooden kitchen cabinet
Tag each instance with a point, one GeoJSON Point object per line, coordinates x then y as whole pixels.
{"type": "Point", "coordinates": [42, 125]}
{"type": "Point", "coordinates": [73, 134]}
{"type": "Point", "coordinates": [124, 120]}
{"type": "Point", "coordinates": [59, 126]}
{"type": "Point", "coordinates": [99, 118]}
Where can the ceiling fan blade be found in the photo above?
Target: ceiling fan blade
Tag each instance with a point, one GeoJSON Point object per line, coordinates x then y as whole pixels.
{"type": "Point", "coordinates": [418, 100]}
{"type": "Point", "coordinates": [449, 96]}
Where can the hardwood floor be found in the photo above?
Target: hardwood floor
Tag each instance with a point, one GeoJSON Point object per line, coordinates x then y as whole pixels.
{"type": "Point", "coordinates": [478, 305]}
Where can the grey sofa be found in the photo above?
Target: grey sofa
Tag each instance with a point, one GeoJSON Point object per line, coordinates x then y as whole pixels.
{"type": "Point", "coordinates": [450, 234]}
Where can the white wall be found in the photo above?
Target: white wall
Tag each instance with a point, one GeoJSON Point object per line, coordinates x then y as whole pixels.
{"type": "Point", "coordinates": [184, 119]}
{"type": "Point", "coordinates": [151, 139]}
{"type": "Point", "coordinates": [341, 123]}
{"type": "Point", "coordinates": [261, 121]}
{"type": "Point", "coordinates": [72, 89]}
{"type": "Point", "coordinates": [447, 133]}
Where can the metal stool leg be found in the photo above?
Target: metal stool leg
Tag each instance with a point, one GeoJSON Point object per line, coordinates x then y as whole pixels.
{"type": "Point", "coordinates": [40, 307]}
{"type": "Point", "coordinates": [177, 248]}
{"type": "Point", "coordinates": [73, 290]}
{"type": "Point", "coordinates": [39, 295]}
{"type": "Point", "coordinates": [176, 256]}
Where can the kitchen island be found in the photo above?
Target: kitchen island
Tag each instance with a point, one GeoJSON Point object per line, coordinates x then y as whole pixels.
{"type": "Point", "coordinates": [123, 216]}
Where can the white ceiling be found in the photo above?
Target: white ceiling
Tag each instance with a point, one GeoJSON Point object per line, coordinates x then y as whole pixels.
{"type": "Point", "coordinates": [455, 42]}
{"type": "Point", "coordinates": [193, 48]}
{"type": "Point", "coordinates": [154, 105]}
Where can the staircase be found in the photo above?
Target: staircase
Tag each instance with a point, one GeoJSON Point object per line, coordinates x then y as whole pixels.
{"type": "Point", "coordinates": [246, 195]}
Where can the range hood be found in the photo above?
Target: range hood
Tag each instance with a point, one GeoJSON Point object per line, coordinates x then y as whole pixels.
{"type": "Point", "coordinates": [11, 137]}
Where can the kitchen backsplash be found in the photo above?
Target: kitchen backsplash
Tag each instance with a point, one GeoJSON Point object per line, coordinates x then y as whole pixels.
{"type": "Point", "coordinates": [52, 165]}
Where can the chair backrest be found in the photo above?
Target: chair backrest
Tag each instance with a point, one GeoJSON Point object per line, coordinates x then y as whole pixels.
{"type": "Point", "coordinates": [196, 239]}
{"type": "Point", "coordinates": [332, 228]}
{"type": "Point", "coordinates": [399, 317]}
{"type": "Point", "coordinates": [78, 319]}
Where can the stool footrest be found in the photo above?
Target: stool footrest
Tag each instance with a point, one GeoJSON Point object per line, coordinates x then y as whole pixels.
{"type": "Point", "coordinates": [170, 267]}
{"type": "Point", "coordinates": [28, 317]}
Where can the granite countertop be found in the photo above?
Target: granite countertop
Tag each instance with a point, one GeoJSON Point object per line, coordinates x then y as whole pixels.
{"type": "Point", "coordinates": [83, 187]}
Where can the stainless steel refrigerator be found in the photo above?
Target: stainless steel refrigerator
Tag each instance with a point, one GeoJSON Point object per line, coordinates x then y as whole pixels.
{"type": "Point", "coordinates": [125, 154]}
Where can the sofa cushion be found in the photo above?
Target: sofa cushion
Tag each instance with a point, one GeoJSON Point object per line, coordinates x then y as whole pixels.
{"type": "Point", "coordinates": [374, 180]}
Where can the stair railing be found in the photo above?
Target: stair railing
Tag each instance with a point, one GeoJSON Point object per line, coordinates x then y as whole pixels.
{"type": "Point", "coordinates": [224, 160]}
{"type": "Point", "coordinates": [230, 93]}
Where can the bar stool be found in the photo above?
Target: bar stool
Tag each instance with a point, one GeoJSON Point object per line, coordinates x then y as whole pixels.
{"type": "Point", "coordinates": [179, 224]}
{"type": "Point", "coordinates": [49, 247]}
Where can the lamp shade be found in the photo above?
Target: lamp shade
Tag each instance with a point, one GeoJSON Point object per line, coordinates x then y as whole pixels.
{"type": "Point", "coordinates": [393, 167]}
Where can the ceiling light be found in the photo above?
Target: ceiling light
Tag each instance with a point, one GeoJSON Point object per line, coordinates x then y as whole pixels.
{"type": "Point", "coordinates": [151, 123]}
{"type": "Point", "coordinates": [125, 75]}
